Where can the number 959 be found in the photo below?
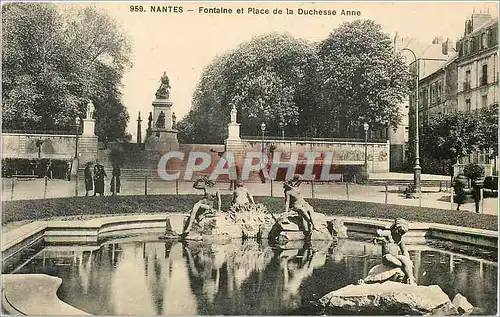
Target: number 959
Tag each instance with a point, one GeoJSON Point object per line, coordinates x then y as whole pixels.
{"type": "Point", "coordinates": [136, 8]}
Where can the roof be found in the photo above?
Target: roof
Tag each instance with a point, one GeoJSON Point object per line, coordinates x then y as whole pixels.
{"type": "Point", "coordinates": [485, 25]}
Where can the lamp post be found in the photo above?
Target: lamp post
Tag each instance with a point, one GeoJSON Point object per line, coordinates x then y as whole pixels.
{"type": "Point", "coordinates": [417, 170]}
{"type": "Point", "coordinates": [263, 129]}
{"type": "Point", "coordinates": [77, 123]}
{"type": "Point", "coordinates": [282, 127]}
{"type": "Point", "coordinates": [366, 126]}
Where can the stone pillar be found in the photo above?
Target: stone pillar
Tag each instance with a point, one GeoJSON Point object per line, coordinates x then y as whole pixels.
{"type": "Point", "coordinates": [162, 139]}
{"type": "Point", "coordinates": [233, 143]}
{"type": "Point", "coordinates": [139, 129]}
{"type": "Point", "coordinates": [88, 127]}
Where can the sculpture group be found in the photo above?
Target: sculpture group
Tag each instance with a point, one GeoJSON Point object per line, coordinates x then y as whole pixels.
{"type": "Point", "coordinates": [299, 221]}
{"type": "Point", "coordinates": [248, 219]}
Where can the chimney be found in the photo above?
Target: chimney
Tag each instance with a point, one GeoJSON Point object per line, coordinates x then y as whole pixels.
{"type": "Point", "coordinates": [447, 47]}
{"type": "Point", "coordinates": [478, 19]}
{"type": "Point", "coordinates": [438, 40]}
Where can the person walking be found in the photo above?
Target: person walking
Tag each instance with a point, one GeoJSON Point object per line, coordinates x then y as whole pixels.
{"type": "Point", "coordinates": [115, 180]}
{"type": "Point", "coordinates": [88, 178]}
{"type": "Point", "coordinates": [460, 188]}
{"type": "Point", "coordinates": [477, 184]}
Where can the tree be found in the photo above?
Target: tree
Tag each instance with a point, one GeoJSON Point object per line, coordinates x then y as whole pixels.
{"type": "Point", "coordinates": [54, 61]}
{"type": "Point", "coordinates": [265, 79]}
{"type": "Point", "coordinates": [489, 125]}
{"type": "Point", "coordinates": [362, 80]}
{"type": "Point", "coordinates": [452, 136]}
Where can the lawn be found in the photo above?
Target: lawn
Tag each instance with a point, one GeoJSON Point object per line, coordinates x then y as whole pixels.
{"type": "Point", "coordinates": [14, 211]}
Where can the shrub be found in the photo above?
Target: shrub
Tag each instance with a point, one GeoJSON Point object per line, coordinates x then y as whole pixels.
{"type": "Point", "coordinates": [473, 171]}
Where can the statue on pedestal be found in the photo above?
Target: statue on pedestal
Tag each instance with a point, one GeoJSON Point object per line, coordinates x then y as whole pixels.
{"type": "Point", "coordinates": [163, 92]}
{"type": "Point", "coordinates": [150, 119]}
{"type": "Point", "coordinates": [90, 110]}
{"type": "Point", "coordinates": [160, 123]}
{"type": "Point", "coordinates": [174, 118]}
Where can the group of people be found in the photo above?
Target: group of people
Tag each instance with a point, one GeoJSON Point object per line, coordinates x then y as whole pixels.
{"type": "Point", "coordinates": [94, 179]}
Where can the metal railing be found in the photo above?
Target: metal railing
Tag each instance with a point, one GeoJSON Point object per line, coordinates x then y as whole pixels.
{"type": "Point", "coordinates": [306, 139]}
{"type": "Point", "coordinates": [63, 132]}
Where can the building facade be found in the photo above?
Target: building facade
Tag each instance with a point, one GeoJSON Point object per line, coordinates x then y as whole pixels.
{"type": "Point", "coordinates": [430, 58]}
{"type": "Point", "coordinates": [478, 71]}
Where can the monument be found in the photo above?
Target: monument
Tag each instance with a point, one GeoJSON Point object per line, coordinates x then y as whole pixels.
{"type": "Point", "coordinates": [161, 135]}
{"type": "Point", "coordinates": [89, 121]}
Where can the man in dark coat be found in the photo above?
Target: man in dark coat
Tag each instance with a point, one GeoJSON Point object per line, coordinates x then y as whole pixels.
{"type": "Point", "coordinates": [99, 174]}
{"type": "Point", "coordinates": [88, 178]}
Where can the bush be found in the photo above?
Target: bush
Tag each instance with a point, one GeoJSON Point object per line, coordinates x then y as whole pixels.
{"type": "Point", "coordinates": [473, 171]}
{"type": "Point", "coordinates": [35, 167]}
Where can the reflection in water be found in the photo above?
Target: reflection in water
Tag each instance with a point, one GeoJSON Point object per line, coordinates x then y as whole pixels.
{"type": "Point", "coordinates": [243, 278]}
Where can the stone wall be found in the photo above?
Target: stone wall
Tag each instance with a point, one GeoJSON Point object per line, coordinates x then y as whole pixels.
{"type": "Point", "coordinates": [344, 153]}
{"type": "Point", "coordinates": [54, 146]}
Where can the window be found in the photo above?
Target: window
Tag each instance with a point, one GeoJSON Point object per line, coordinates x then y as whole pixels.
{"type": "Point", "coordinates": [484, 101]}
{"type": "Point", "coordinates": [484, 40]}
{"type": "Point", "coordinates": [439, 91]}
{"type": "Point", "coordinates": [467, 105]}
{"type": "Point", "coordinates": [484, 75]}
{"type": "Point", "coordinates": [467, 80]}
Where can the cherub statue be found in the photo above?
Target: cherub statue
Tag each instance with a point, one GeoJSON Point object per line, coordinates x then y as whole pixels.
{"type": "Point", "coordinates": [206, 204]}
{"type": "Point", "coordinates": [392, 245]}
{"type": "Point", "coordinates": [241, 195]}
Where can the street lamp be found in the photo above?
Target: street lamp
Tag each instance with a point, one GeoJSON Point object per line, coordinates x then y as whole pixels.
{"type": "Point", "coordinates": [417, 170]}
{"type": "Point", "coordinates": [366, 126]}
{"type": "Point", "coordinates": [77, 123]}
{"type": "Point", "coordinates": [263, 129]}
{"type": "Point", "coordinates": [282, 127]}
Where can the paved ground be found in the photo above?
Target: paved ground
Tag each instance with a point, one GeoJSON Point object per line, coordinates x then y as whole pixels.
{"type": "Point", "coordinates": [431, 197]}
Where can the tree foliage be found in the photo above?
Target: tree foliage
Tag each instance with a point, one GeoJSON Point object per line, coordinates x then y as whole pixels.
{"type": "Point", "coordinates": [323, 90]}
{"type": "Point", "coordinates": [265, 79]}
{"type": "Point", "coordinates": [54, 61]}
{"type": "Point", "coordinates": [452, 136]}
{"type": "Point", "coordinates": [489, 125]}
{"type": "Point", "coordinates": [362, 79]}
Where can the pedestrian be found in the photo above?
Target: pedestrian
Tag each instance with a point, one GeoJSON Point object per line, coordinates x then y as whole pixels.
{"type": "Point", "coordinates": [48, 169]}
{"type": "Point", "coordinates": [460, 188]}
{"type": "Point", "coordinates": [88, 178]}
{"type": "Point", "coordinates": [115, 180]}
{"type": "Point", "coordinates": [476, 193]}
{"type": "Point", "coordinates": [99, 175]}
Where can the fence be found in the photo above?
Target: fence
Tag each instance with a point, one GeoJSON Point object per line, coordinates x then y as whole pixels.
{"type": "Point", "coordinates": [437, 196]}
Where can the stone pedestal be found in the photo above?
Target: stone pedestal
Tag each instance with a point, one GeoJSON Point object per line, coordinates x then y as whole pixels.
{"type": "Point", "coordinates": [88, 127]}
{"type": "Point", "coordinates": [234, 144]}
{"type": "Point", "coordinates": [162, 139]}
{"type": "Point", "coordinates": [233, 131]}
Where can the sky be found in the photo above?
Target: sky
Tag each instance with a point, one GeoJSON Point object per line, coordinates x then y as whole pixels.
{"type": "Point", "coordinates": [182, 44]}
